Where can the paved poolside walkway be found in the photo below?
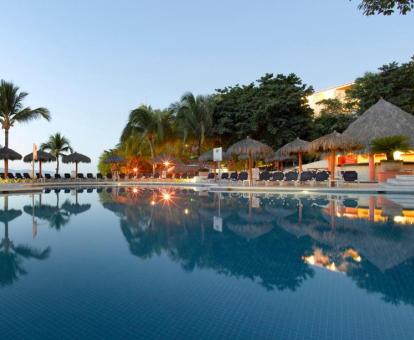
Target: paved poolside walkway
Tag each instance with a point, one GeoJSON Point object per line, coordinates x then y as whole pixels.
{"type": "Point", "coordinates": [362, 188]}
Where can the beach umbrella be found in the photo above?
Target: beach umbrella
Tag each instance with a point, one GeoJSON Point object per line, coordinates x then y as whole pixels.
{"type": "Point", "coordinates": [332, 143]}
{"type": "Point", "coordinates": [251, 148]}
{"type": "Point", "coordinates": [76, 158]}
{"type": "Point", "coordinates": [296, 147]}
{"type": "Point", "coordinates": [114, 159]}
{"type": "Point", "coordinates": [42, 156]}
{"type": "Point", "coordinates": [250, 231]}
{"type": "Point", "coordinates": [9, 154]}
{"type": "Point", "coordinates": [380, 120]}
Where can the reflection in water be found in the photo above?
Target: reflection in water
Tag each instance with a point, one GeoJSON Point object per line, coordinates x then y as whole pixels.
{"type": "Point", "coordinates": [275, 240]}
{"type": "Point", "coordinates": [11, 255]}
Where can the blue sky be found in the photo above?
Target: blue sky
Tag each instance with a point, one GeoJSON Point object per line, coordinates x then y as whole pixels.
{"type": "Point", "coordinates": [91, 62]}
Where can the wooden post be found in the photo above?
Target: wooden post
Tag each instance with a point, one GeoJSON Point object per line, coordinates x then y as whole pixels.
{"type": "Point", "coordinates": [371, 167]}
{"type": "Point", "coordinates": [300, 162]}
{"type": "Point", "coordinates": [333, 166]}
{"type": "Point", "coordinates": [40, 168]}
{"type": "Point", "coordinates": [250, 168]}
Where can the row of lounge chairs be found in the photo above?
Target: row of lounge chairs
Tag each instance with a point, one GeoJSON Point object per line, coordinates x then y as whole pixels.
{"type": "Point", "coordinates": [290, 176]}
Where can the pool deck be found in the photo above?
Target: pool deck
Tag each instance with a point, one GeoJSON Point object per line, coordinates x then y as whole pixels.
{"type": "Point", "coordinates": [360, 188]}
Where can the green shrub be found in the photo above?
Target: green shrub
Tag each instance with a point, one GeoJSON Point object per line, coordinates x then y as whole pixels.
{"type": "Point", "coordinates": [390, 144]}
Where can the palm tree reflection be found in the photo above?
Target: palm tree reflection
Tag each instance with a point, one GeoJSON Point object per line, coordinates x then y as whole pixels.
{"type": "Point", "coordinates": [11, 256]}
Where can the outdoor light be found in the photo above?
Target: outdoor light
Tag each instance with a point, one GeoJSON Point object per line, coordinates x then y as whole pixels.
{"type": "Point", "coordinates": [135, 190]}
{"type": "Point", "coordinates": [166, 163]}
{"type": "Point", "coordinates": [135, 169]}
{"type": "Point", "coordinates": [397, 155]}
{"type": "Point", "coordinates": [186, 211]}
{"type": "Point", "coordinates": [152, 202]}
{"type": "Point", "coordinates": [166, 196]}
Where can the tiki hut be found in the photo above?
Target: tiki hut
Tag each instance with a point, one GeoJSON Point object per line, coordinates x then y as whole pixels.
{"type": "Point", "coordinates": [296, 147]}
{"type": "Point", "coordinates": [252, 149]}
{"type": "Point", "coordinates": [42, 156]}
{"type": "Point", "coordinates": [380, 120]}
{"type": "Point", "coordinates": [76, 158]}
{"type": "Point", "coordinates": [332, 143]}
{"type": "Point", "coordinates": [8, 154]}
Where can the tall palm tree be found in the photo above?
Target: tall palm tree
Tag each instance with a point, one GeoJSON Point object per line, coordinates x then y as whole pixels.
{"type": "Point", "coordinates": [194, 116]}
{"type": "Point", "coordinates": [148, 126]}
{"type": "Point", "coordinates": [12, 111]}
{"type": "Point", "coordinates": [57, 145]}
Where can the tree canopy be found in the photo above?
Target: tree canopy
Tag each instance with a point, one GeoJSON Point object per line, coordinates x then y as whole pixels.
{"type": "Point", "coordinates": [386, 7]}
{"type": "Point", "coordinates": [394, 82]}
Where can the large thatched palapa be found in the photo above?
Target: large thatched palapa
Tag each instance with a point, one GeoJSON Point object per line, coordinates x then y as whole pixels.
{"type": "Point", "coordinates": [76, 158]}
{"type": "Point", "coordinates": [42, 156]}
{"type": "Point", "coordinates": [380, 120]}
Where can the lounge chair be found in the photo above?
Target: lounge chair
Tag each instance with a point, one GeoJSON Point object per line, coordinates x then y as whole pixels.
{"type": "Point", "coordinates": [48, 177]}
{"type": "Point", "coordinates": [156, 175]}
{"type": "Point", "coordinates": [39, 176]}
{"type": "Point", "coordinates": [306, 176]}
{"type": "Point", "coordinates": [350, 176]}
{"type": "Point", "coordinates": [211, 177]}
{"type": "Point", "coordinates": [109, 176]}
{"type": "Point", "coordinates": [26, 175]}
{"type": "Point", "coordinates": [291, 176]}
{"type": "Point", "coordinates": [67, 191]}
{"type": "Point", "coordinates": [233, 176]}
{"type": "Point", "coordinates": [169, 176]}
{"type": "Point", "coordinates": [277, 176]}
{"type": "Point", "coordinates": [243, 176]}
{"type": "Point", "coordinates": [99, 176]}
{"type": "Point", "coordinates": [89, 176]}
{"type": "Point", "coordinates": [99, 190]}
{"type": "Point", "coordinates": [89, 190]}
{"type": "Point", "coordinates": [2, 175]}
{"type": "Point", "coordinates": [58, 177]}
{"type": "Point", "coordinates": [19, 175]}
{"type": "Point", "coordinates": [264, 176]}
{"type": "Point", "coordinates": [322, 176]}
{"type": "Point", "coordinates": [47, 191]}
{"type": "Point", "coordinates": [225, 176]}
{"type": "Point", "coordinates": [11, 176]}
{"type": "Point", "coordinates": [81, 176]}
{"type": "Point", "coordinates": [122, 177]}
{"type": "Point", "coordinates": [67, 176]}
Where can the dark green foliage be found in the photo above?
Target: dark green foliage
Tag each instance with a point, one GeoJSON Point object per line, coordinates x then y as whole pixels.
{"type": "Point", "coordinates": [393, 82]}
{"type": "Point", "coordinates": [389, 145]}
{"type": "Point", "coordinates": [273, 110]}
{"type": "Point", "coordinates": [386, 7]}
{"type": "Point", "coordinates": [334, 116]}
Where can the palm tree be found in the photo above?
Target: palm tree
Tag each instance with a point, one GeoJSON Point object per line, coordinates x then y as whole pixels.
{"type": "Point", "coordinates": [148, 126]}
{"type": "Point", "coordinates": [57, 145]}
{"type": "Point", "coordinates": [12, 111]}
{"type": "Point", "coordinates": [194, 116]}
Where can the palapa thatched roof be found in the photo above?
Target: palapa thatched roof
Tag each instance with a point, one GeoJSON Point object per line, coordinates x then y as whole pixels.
{"type": "Point", "coordinates": [250, 231]}
{"type": "Point", "coordinates": [208, 156]}
{"type": "Point", "coordinates": [333, 141]}
{"type": "Point", "coordinates": [7, 153]}
{"type": "Point", "coordinates": [380, 120]}
{"type": "Point", "coordinates": [9, 215]}
{"type": "Point", "coordinates": [75, 158]}
{"type": "Point", "coordinates": [277, 156]}
{"type": "Point", "coordinates": [294, 147]}
{"type": "Point", "coordinates": [41, 156]}
{"type": "Point", "coordinates": [114, 159]}
{"type": "Point", "coordinates": [249, 145]}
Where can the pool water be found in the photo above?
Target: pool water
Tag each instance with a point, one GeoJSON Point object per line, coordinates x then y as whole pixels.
{"type": "Point", "coordinates": [140, 263]}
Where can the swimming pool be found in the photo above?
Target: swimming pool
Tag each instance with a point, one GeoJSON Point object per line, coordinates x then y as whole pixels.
{"type": "Point", "coordinates": [177, 263]}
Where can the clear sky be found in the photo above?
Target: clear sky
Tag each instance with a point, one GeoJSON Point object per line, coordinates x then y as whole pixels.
{"type": "Point", "coordinates": [91, 61]}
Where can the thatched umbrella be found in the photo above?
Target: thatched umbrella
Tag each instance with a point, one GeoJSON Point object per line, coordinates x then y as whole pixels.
{"type": "Point", "coordinates": [76, 158]}
{"type": "Point", "coordinates": [296, 147]}
{"type": "Point", "coordinates": [249, 147]}
{"type": "Point", "coordinates": [9, 154]}
{"type": "Point", "coordinates": [333, 143]}
{"type": "Point", "coordinates": [380, 120]}
{"type": "Point", "coordinates": [114, 159]}
{"type": "Point", "coordinates": [42, 156]}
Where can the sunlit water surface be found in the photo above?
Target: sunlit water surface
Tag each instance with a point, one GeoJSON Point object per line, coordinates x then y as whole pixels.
{"type": "Point", "coordinates": [142, 263]}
